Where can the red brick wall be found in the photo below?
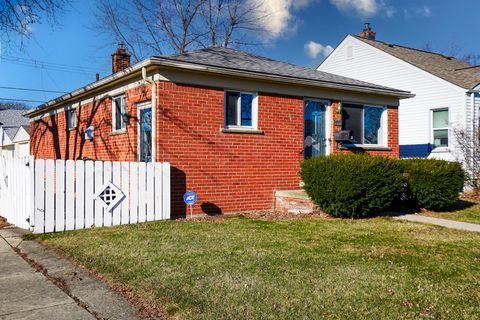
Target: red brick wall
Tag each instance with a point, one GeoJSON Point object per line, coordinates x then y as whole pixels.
{"type": "Point", "coordinates": [50, 138]}
{"type": "Point", "coordinates": [229, 171]}
{"type": "Point", "coordinates": [391, 151]}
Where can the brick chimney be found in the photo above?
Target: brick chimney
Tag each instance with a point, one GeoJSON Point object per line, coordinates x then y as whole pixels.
{"type": "Point", "coordinates": [367, 32]}
{"type": "Point", "coordinates": [120, 59]}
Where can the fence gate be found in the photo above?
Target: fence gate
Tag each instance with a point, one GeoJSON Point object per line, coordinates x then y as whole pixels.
{"type": "Point", "coordinates": [70, 195]}
{"type": "Point", "coordinates": [16, 197]}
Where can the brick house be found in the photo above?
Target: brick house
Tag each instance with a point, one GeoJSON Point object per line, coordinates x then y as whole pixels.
{"type": "Point", "coordinates": [234, 126]}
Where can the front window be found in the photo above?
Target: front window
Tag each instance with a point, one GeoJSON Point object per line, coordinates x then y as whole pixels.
{"type": "Point", "coordinates": [71, 119]}
{"type": "Point", "coordinates": [440, 128]}
{"type": "Point", "coordinates": [240, 110]}
{"type": "Point", "coordinates": [366, 123]}
{"type": "Point", "coordinates": [119, 113]}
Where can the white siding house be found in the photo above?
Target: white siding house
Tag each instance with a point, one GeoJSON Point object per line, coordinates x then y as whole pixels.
{"type": "Point", "coordinates": [14, 133]}
{"type": "Point", "coordinates": [445, 89]}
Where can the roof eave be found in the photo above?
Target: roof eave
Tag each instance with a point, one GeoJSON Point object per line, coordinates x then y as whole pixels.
{"type": "Point", "coordinates": [86, 89]}
{"type": "Point", "coordinates": [157, 61]}
{"type": "Point", "coordinates": [264, 76]}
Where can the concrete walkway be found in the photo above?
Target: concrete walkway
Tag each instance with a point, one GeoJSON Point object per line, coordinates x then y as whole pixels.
{"type": "Point", "coordinates": [36, 283]}
{"type": "Point", "coordinates": [440, 222]}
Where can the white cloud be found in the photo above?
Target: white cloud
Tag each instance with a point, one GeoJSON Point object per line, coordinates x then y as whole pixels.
{"type": "Point", "coordinates": [423, 11]}
{"type": "Point", "coordinates": [277, 16]}
{"type": "Point", "coordinates": [364, 8]}
{"type": "Point", "coordinates": [314, 49]}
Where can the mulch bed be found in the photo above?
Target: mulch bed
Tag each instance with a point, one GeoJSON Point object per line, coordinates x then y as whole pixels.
{"type": "Point", "coordinates": [259, 214]}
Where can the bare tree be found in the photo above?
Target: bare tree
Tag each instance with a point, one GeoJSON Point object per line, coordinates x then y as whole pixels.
{"type": "Point", "coordinates": [13, 105]}
{"type": "Point", "coordinates": [174, 26]}
{"type": "Point", "coordinates": [468, 146]}
{"type": "Point", "coordinates": [18, 16]}
{"type": "Point", "coordinates": [455, 50]}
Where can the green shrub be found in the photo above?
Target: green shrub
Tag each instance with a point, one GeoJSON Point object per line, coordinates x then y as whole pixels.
{"type": "Point", "coordinates": [352, 186]}
{"type": "Point", "coordinates": [432, 184]}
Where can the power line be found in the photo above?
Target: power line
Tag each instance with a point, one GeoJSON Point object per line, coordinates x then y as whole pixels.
{"type": "Point", "coordinates": [20, 100]}
{"type": "Point", "coordinates": [47, 65]}
{"type": "Point", "coordinates": [30, 89]}
{"type": "Point", "coordinates": [81, 68]}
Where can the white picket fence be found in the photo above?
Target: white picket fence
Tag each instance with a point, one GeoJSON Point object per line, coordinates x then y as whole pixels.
{"type": "Point", "coordinates": [16, 197]}
{"type": "Point", "coordinates": [61, 195]}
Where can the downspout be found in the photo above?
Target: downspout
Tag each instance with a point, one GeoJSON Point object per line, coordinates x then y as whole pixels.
{"type": "Point", "coordinates": [154, 112]}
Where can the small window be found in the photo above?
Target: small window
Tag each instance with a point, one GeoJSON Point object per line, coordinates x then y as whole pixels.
{"type": "Point", "coordinates": [240, 110]}
{"type": "Point", "coordinates": [365, 122]}
{"type": "Point", "coordinates": [71, 119]}
{"type": "Point", "coordinates": [119, 113]}
{"type": "Point", "coordinates": [440, 128]}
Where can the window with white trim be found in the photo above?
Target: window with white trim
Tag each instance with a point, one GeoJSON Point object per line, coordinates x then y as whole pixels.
{"type": "Point", "coordinates": [367, 124]}
{"type": "Point", "coordinates": [240, 110]}
{"type": "Point", "coordinates": [71, 119]}
{"type": "Point", "coordinates": [119, 121]}
{"type": "Point", "coordinates": [440, 128]}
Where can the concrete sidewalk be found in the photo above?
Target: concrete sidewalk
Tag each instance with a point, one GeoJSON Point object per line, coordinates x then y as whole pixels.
{"type": "Point", "coordinates": [440, 222]}
{"type": "Point", "coordinates": [36, 283]}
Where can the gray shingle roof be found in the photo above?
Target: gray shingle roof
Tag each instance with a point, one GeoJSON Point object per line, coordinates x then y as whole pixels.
{"type": "Point", "coordinates": [239, 60]}
{"type": "Point", "coordinates": [450, 69]}
{"type": "Point", "coordinates": [11, 120]}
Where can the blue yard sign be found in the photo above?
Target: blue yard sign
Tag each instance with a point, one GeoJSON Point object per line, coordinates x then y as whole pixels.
{"type": "Point", "coordinates": [190, 197]}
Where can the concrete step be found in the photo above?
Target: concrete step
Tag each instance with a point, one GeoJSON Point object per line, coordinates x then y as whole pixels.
{"type": "Point", "coordinates": [294, 202]}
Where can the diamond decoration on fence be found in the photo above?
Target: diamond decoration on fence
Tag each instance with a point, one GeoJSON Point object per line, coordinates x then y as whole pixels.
{"type": "Point", "coordinates": [109, 196]}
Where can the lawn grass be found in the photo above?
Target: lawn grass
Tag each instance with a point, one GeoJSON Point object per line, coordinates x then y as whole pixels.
{"type": "Point", "coordinates": [464, 210]}
{"type": "Point", "coordinates": [239, 268]}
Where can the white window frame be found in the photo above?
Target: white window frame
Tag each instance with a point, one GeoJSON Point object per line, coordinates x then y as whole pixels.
{"type": "Point", "coordinates": [141, 106]}
{"type": "Point", "coordinates": [122, 112]}
{"type": "Point", "coordinates": [68, 113]}
{"type": "Point", "coordinates": [383, 137]}
{"type": "Point", "coordinates": [254, 125]}
{"type": "Point", "coordinates": [432, 136]}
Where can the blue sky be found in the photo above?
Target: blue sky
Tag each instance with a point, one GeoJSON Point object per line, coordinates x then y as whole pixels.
{"type": "Point", "coordinates": [67, 56]}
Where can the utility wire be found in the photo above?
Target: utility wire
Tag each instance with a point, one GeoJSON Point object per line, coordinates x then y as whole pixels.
{"type": "Point", "coordinates": [30, 89]}
{"type": "Point", "coordinates": [47, 65]}
{"type": "Point", "coordinates": [34, 61]}
{"type": "Point", "coordinates": [22, 100]}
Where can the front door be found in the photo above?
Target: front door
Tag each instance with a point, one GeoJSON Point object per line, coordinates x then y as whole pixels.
{"type": "Point", "coordinates": [145, 147]}
{"type": "Point", "coordinates": [315, 142]}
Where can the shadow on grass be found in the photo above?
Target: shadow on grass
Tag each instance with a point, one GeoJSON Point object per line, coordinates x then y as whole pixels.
{"type": "Point", "coordinates": [401, 209]}
{"type": "Point", "coordinates": [458, 206]}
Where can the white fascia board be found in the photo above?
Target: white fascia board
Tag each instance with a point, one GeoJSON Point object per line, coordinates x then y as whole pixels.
{"type": "Point", "coordinates": [166, 63]}
{"type": "Point", "coordinates": [331, 54]}
{"type": "Point", "coordinates": [88, 88]}
{"type": "Point", "coordinates": [279, 78]}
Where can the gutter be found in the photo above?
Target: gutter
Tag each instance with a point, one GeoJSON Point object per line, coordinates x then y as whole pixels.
{"type": "Point", "coordinates": [89, 87]}
{"type": "Point", "coordinates": [161, 62]}
{"type": "Point", "coordinates": [279, 78]}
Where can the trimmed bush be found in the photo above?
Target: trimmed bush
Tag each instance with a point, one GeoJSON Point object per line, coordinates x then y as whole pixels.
{"type": "Point", "coordinates": [352, 186]}
{"type": "Point", "coordinates": [432, 184]}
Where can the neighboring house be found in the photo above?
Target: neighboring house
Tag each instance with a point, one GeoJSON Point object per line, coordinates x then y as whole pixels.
{"type": "Point", "coordinates": [446, 90]}
{"type": "Point", "coordinates": [14, 133]}
{"type": "Point", "coordinates": [233, 126]}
